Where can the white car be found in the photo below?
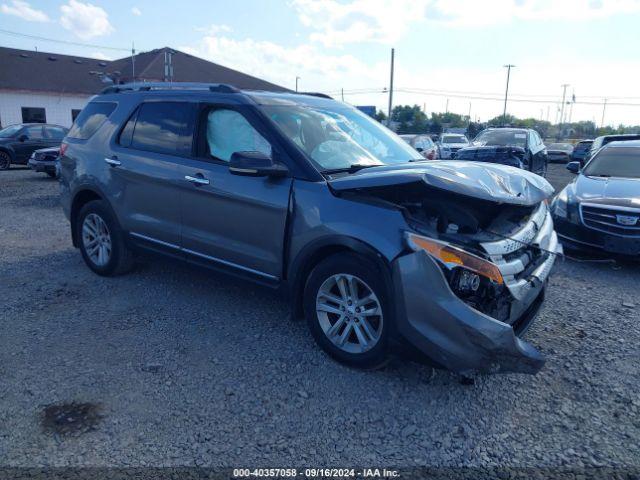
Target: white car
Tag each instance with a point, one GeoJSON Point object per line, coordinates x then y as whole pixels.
{"type": "Point", "coordinates": [454, 142]}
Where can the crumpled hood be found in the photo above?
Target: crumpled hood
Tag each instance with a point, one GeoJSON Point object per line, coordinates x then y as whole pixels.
{"type": "Point", "coordinates": [486, 181]}
{"type": "Point", "coordinates": [623, 192]}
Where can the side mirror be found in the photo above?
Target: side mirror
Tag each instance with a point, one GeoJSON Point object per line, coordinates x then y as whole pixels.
{"type": "Point", "coordinates": [420, 149]}
{"type": "Point", "coordinates": [573, 167]}
{"type": "Point", "coordinates": [256, 164]}
{"type": "Point", "coordinates": [23, 137]}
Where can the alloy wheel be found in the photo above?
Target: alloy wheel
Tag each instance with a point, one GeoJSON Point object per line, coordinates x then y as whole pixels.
{"type": "Point", "coordinates": [349, 313]}
{"type": "Point", "coordinates": [96, 239]}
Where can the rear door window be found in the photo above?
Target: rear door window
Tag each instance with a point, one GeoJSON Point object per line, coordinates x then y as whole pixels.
{"type": "Point", "coordinates": [34, 133]}
{"type": "Point", "coordinates": [163, 127]}
{"type": "Point", "coordinates": [90, 119]}
{"type": "Point", "coordinates": [55, 133]}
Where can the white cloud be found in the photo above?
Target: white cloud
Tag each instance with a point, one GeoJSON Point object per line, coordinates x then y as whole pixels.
{"type": "Point", "coordinates": [492, 12]}
{"type": "Point", "coordinates": [100, 56]}
{"type": "Point", "coordinates": [215, 29]}
{"type": "Point", "coordinates": [23, 10]}
{"type": "Point", "coordinates": [85, 20]}
{"type": "Point", "coordinates": [136, 11]}
{"type": "Point", "coordinates": [335, 23]}
{"type": "Point", "coordinates": [281, 64]}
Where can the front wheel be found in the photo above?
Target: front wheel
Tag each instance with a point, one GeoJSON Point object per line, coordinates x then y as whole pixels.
{"type": "Point", "coordinates": [347, 308]}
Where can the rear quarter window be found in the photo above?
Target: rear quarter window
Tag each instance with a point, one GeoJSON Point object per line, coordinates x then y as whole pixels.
{"type": "Point", "coordinates": [90, 119]}
{"type": "Point", "coordinates": [163, 127]}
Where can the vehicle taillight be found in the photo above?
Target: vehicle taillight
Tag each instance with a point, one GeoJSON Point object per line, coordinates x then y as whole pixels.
{"type": "Point", "coordinates": [63, 148]}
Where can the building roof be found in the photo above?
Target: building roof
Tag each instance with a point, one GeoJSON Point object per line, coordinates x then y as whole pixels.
{"type": "Point", "coordinates": [51, 72]}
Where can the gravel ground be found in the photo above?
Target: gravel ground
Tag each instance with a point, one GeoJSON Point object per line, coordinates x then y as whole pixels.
{"type": "Point", "coordinates": [174, 366]}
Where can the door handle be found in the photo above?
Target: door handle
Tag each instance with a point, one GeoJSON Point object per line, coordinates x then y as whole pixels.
{"type": "Point", "coordinates": [114, 162]}
{"type": "Point", "coordinates": [199, 180]}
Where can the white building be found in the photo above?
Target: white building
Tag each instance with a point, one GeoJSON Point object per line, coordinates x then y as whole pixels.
{"type": "Point", "coordinates": [52, 88]}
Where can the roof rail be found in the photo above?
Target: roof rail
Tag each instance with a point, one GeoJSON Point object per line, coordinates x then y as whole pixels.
{"type": "Point", "coordinates": [147, 86]}
{"type": "Point", "coordinates": [316, 94]}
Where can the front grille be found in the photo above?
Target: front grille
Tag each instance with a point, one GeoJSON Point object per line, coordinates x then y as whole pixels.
{"type": "Point", "coordinates": [611, 219]}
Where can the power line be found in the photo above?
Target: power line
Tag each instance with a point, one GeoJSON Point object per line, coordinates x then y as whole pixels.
{"type": "Point", "coordinates": [535, 98]}
{"type": "Point", "coordinates": [442, 93]}
{"type": "Point", "coordinates": [64, 42]}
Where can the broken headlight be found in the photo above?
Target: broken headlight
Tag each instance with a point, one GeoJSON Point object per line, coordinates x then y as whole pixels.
{"type": "Point", "coordinates": [453, 257]}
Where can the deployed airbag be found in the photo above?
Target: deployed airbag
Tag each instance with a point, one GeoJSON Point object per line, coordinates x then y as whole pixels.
{"type": "Point", "coordinates": [228, 132]}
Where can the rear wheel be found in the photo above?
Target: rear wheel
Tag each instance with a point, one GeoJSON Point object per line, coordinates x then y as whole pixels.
{"type": "Point", "coordinates": [101, 240]}
{"type": "Point", "coordinates": [347, 309]}
{"type": "Point", "coordinates": [5, 161]}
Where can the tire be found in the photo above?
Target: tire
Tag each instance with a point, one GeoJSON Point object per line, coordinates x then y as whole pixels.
{"type": "Point", "coordinates": [52, 174]}
{"type": "Point", "coordinates": [322, 292]}
{"type": "Point", "coordinates": [102, 226]}
{"type": "Point", "coordinates": [5, 161]}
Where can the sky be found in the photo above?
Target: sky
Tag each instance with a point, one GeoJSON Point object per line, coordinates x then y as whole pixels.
{"type": "Point", "coordinates": [449, 54]}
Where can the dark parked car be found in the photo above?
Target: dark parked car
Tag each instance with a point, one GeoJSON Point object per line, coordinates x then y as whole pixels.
{"type": "Point", "coordinates": [44, 160]}
{"type": "Point", "coordinates": [312, 197]}
{"type": "Point", "coordinates": [600, 142]}
{"type": "Point", "coordinates": [600, 209]}
{"type": "Point", "coordinates": [18, 142]}
{"type": "Point", "coordinates": [516, 147]}
{"type": "Point", "coordinates": [560, 152]}
{"type": "Point", "coordinates": [581, 150]}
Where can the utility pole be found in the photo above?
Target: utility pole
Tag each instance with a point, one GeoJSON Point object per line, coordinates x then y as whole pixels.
{"type": "Point", "coordinates": [297, 78]}
{"type": "Point", "coordinates": [604, 107]}
{"type": "Point", "coordinates": [506, 93]}
{"type": "Point", "coordinates": [133, 63]}
{"type": "Point", "coordinates": [469, 115]}
{"type": "Point", "coordinates": [564, 95]}
{"type": "Point", "coordinates": [573, 100]}
{"type": "Point", "coordinates": [342, 93]}
{"type": "Point", "coordinates": [391, 88]}
{"type": "Point", "coordinates": [446, 108]}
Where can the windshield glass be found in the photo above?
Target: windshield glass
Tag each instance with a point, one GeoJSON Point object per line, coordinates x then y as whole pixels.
{"type": "Point", "coordinates": [10, 131]}
{"type": "Point", "coordinates": [454, 139]}
{"type": "Point", "coordinates": [583, 146]}
{"type": "Point", "coordinates": [615, 162]}
{"type": "Point", "coordinates": [501, 137]}
{"type": "Point", "coordinates": [340, 137]}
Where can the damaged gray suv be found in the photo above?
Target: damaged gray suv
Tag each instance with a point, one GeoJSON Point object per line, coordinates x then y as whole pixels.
{"type": "Point", "coordinates": [376, 248]}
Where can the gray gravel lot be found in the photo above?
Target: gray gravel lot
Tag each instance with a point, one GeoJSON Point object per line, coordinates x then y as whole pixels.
{"type": "Point", "coordinates": [187, 367]}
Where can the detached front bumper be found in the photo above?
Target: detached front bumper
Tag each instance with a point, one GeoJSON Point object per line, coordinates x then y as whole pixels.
{"type": "Point", "coordinates": [42, 166]}
{"type": "Point", "coordinates": [460, 338]}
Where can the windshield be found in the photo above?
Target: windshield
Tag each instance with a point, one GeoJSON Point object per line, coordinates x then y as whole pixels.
{"type": "Point", "coordinates": [340, 137]}
{"type": "Point", "coordinates": [454, 139]}
{"type": "Point", "coordinates": [10, 131]}
{"type": "Point", "coordinates": [615, 162]}
{"type": "Point", "coordinates": [583, 146]}
{"type": "Point", "coordinates": [501, 137]}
